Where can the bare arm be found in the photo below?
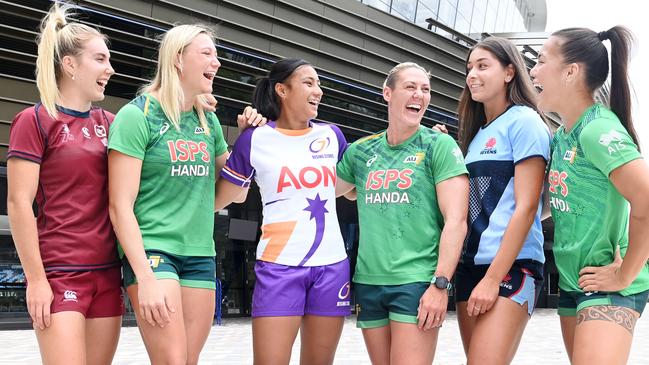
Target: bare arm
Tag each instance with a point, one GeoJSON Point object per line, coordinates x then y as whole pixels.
{"type": "Point", "coordinates": [22, 180]}
{"type": "Point", "coordinates": [453, 200]}
{"type": "Point", "coordinates": [528, 184]}
{"type": "Point", "coordinates": [632, 181]}
{"type": "Point", "coordinates": [123, 185]}
{"type": "Point", "coordinates": [343, 187]}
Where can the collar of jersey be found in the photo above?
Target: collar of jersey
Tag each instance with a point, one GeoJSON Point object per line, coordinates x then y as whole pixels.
{"type": "Point", "coordinates": [404, 143]}
{"type": "Point", "coordinates": [73, 113]}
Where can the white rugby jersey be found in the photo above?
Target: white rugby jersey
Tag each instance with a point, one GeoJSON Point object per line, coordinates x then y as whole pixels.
{"type": "Point", "coordinates": [296, 174]}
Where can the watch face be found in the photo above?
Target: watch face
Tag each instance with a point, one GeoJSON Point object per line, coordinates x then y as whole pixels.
{"type": "Point", "coordinates": [441, 282]}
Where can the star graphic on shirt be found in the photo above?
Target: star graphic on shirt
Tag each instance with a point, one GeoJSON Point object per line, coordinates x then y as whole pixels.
{"type": "Point", "coordinates": [316, 207]}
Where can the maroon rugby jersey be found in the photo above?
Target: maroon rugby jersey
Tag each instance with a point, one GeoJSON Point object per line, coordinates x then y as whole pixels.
{"type": "Point", "coordinates": [74, 228]}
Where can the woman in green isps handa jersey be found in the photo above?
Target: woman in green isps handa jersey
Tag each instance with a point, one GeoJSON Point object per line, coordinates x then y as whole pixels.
{"type": "Point", "coordinates": [411, 181]}
{"type": "Point", "coordinates": [595, 171]}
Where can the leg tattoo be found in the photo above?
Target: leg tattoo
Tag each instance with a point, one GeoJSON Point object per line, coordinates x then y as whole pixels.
{"type": "Point", "coordinates": [623, 316]}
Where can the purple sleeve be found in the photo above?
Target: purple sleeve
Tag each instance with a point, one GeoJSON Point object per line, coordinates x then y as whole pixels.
{"type": "Point", "coordinates": [342, 142]}
{"type": "Point", "coordinates": [238, 169]}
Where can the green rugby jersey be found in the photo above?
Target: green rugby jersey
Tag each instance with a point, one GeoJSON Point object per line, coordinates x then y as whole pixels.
{"type": "Point", "coordinates": [590, 216]}
{"type": "Point", "coordinates": [397, 203]}
{"type": "Point", "coordinates": [175, 202]}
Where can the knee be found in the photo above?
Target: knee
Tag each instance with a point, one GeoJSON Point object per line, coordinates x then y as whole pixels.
{"type": "Point", "coordinates": [170, 358]}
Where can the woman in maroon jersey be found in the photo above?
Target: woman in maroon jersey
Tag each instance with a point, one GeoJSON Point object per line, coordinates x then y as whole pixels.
{"type": "Point", "coordinates": [57, 155]}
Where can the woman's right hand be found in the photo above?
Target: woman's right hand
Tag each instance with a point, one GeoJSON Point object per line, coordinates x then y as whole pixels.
{"type": "Point", "coordinates": [440, 128]}
{"type": "Point", "coordinates": [155, 307]}
{"type": "Point", "coordinates": [39, 300]}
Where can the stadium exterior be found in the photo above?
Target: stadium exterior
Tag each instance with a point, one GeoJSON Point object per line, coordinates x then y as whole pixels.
{"type": "Point", "coordinates": [352, 44]}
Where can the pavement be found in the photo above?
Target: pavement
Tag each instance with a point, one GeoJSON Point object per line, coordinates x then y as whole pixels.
{"type": "Point", "coordinates": [231, 343]}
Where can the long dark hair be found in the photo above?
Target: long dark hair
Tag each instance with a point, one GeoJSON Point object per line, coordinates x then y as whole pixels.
{"type": "Point", "coordinates": [264, 98]}
{"type": "Point", "coordinates": [519, 90]}
{"type": "Point", "coordinates": [584, 46]}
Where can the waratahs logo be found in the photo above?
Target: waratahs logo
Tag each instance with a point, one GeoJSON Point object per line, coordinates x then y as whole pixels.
{"type": "Point", "coordinates": [490, 147]}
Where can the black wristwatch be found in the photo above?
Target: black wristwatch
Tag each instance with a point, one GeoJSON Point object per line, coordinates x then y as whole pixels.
{"type": "Point", "coordinates": [441, 282]}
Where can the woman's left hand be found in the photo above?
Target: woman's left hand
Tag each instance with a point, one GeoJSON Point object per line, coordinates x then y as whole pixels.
{"type": "Point", "coordinates": [603, 278]}
{"type": "Point", "coordinates": [250, 118]}
{"type": "Point", "coordinates": [483, 297]}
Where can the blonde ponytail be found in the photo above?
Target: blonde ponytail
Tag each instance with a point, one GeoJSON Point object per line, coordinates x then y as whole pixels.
{"type": "Point", "coordinates": [58, 39]}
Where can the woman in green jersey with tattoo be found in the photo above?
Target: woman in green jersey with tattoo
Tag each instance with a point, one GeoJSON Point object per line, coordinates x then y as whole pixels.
{"type": "Point", "coordinates": [596, 173]}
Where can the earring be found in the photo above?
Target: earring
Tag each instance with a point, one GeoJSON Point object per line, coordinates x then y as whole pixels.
{"type": "Point", "coordinates": [72, 77]}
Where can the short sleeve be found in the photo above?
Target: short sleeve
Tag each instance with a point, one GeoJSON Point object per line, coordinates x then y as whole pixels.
{"type": "Point", "coordinates": [129, 132]}
{"type": "Point", "coordinates": [607, 145]}
{"type": "Point", "coordinates": [529, 137]}
{"type": "Point", "coordinates": [447, 160]}
{"type": "Point", "coordinates": [342, 142]}
{"type": "Point", "coordinates": [27, 140]}
{"type": "Point", "coordinates": [220, 145]}
{"type": "Point", "coordinates": [345, 168]}
{"type": "Point", "coordinates": [238, 168]}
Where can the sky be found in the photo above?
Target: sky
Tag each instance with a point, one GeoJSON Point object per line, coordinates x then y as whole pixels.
{"type": "Point", "coordinates": [600, 15]}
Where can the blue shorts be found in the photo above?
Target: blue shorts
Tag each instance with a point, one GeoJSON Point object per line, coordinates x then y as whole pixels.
{"type": "Point", "coordinates": [522, 284]}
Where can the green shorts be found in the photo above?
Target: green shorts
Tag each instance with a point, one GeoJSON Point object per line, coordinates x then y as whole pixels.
{"type": "Point", "coordinates": [572, 302]}
{"type": "Point", "coordinates": [377, 305]}
{"type": "Point", "coordinates": [190, 271]}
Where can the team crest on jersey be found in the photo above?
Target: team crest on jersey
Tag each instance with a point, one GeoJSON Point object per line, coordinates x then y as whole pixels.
{"type": "Point", "coordinates": [100, 131]}
{"type": "Point", "coordinates": [199, 130]}
{"type": "Point", "coordinates": [319, 144]}
{"type": "Point", "coordinates": [613, 141]}
{"type": "Point", "coordinates": [86, 132]}
{"type": "Point", "coordinates": [490, 147]}
{"type": "Point", "coordinates": [164, 128]}
{"type": "Point", "coordinates": [570, 155]}
{"type": "Point", "coordinates": [416, 158]}
{"type": "Point", "coordinates": [371, 160]}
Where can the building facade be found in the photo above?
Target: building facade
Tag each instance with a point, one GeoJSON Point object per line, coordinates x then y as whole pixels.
{"type": "Point", "coordinates": [352, 45]}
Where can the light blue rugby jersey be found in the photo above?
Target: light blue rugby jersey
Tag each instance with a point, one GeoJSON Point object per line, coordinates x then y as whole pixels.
{"type": "Point", "coordinates": [516, 135]}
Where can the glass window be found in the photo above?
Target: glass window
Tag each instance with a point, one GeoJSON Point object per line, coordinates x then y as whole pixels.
{"type": "Point", "coordinates": [426, 9]}
{"type": "Point", "coordinates": [465, 8]}
{"type": "Point", "coordinates": [490, 16]}
{"type": "Point", "coordinates": [379, 4]}
{"type": "Point", "coordinates": [404, 8]}
{"type": "Point", "coordinates": [447, 12]}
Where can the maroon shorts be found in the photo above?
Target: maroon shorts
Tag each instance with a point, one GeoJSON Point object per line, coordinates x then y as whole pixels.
{"type": "Point", "coordinates": [94, 294]}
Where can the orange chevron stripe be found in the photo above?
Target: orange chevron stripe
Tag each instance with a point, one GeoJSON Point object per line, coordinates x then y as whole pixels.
{"type": "Point", "coordinates": [235, 173]}
{"type": "Point", "coordinates": [277, 235]}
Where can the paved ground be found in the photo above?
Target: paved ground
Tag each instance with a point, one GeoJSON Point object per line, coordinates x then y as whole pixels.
{"type": "Point", "coordinates": [231, 343]}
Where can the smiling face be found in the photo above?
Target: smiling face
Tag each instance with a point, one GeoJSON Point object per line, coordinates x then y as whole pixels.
{"type": "Point", "coordinates": [300, 94]}
{"type": "Point", "coordinates": [91, 69]}
{"type": "Point", "coordinates": [198, 66]}
{"type": "Point", "coordinates": [486, 77]}
{"type": "Point", "coordinates": [409, 98]}
{"type": "Point", "coordinates": [548, 76]}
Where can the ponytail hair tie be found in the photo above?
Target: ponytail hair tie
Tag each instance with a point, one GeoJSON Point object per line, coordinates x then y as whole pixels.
{"type": "Point", "coordinates": [604, 35]}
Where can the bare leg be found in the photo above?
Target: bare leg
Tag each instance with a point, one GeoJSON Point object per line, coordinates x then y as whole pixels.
{"type": "Point", "coordinates": [498, 333]}
{"type": "Point", "coordinates": [603, 335]}
{"type": "Point", "coordinates": [568, 324]}
{"type": "Point", "coordinates": [410, 345]}
{"type": "Point", "coordinates": [377, 341]}
{"type": "Point", "coordinates": [466, 324]}
{"type": "Point", "coordinates": [166, 345]}
{"type": "Point", "coordinates": [319, 337]}
{"type": "Point", "coordinates": [198, 315]}
{"type": "Point", "coordinates": [102, 335]}
{"type": "Point", "coordinates": [64, 341]}
{"type": "Point", "coordinates": [273, 338]}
